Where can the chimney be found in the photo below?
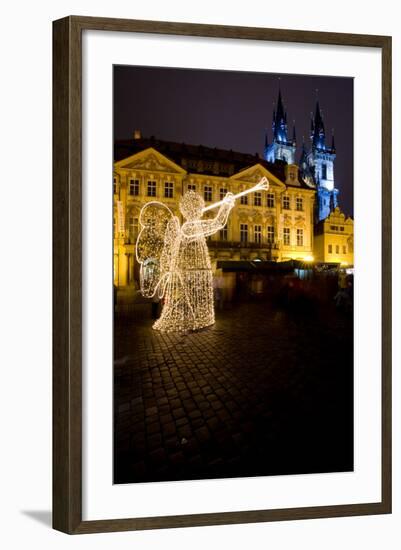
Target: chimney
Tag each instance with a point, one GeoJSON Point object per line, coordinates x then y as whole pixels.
{"type": "Point", "coordinates": [137, 134]}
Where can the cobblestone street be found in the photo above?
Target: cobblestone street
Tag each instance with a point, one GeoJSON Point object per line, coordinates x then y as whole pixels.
{"type": "Point", "coordinates": [262, 392]}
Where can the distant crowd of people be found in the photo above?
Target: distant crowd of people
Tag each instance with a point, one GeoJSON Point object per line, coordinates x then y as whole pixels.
{"type": "Point", "coordinates": [289, 292]}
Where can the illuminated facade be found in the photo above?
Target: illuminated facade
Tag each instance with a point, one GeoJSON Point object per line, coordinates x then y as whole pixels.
{"type": "Point", "coordinates": [268, 225]}
{"type": "Point", "coordinates": [334, 239]}
{"type": "Point", "coordinates": [316, 164]}
{"type": "Point", "coordinates": [292, 220]}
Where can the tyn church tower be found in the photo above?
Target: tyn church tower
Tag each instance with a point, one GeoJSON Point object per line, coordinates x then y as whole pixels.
{"type": "Point", "coordinates": [281, 148]}
{"type": "Point", "coordinates": [320, 162]}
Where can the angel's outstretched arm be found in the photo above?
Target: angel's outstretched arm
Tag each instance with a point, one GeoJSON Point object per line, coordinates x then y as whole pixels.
{"type": "Point", "coordinates": [203, 228]}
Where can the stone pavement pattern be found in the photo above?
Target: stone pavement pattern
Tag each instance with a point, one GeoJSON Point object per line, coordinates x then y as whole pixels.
{"type": "Point", "coordinates": [262, 392]}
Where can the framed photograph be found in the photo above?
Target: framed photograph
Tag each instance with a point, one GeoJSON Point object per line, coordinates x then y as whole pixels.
{"type": "Point", "coordinates": [222, 275]}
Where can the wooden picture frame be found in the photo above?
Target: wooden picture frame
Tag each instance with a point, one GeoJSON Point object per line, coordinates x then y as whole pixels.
{"type": "Point", "coordinates": [67, 274]}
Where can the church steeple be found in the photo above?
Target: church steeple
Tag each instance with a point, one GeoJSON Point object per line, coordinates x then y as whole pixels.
{"type": "Point", "coordinates": [279, 125]}
{"type": "Point", "coordinates": [318, 133]}
{"type": "Point", "coordinates": [320, 159]}
{"type": "Point", "coordinates": [281, 148]}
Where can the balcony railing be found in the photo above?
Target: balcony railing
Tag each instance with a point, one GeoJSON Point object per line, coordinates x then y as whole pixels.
{"type": "Point", "coordinates": [131, 239]}
{"type": "Point", "coordinates": [238, 244]}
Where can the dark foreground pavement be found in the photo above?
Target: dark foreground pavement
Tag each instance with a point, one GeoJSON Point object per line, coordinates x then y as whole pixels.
{"type": "Point", "coordinates": [262, 392]}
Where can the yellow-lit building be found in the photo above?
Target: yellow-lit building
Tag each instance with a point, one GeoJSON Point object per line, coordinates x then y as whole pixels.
{"type": "Point", "coordinates": [334, 239]}
{"type": "Point", "coordinates": [277, 224]}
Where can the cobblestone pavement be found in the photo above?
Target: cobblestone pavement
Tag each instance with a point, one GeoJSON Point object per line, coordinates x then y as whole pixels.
{"type": "Point", "coordinates": [262, 392]}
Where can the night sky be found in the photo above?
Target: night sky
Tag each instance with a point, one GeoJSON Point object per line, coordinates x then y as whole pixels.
{"type": "Point", "coordinates": [231, 110]}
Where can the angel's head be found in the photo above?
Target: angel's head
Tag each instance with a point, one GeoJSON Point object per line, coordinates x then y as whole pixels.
{"type": "Point", "coordinates": [191, 206]}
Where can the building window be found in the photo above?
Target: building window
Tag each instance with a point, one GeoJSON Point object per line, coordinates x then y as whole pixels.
{"type": "Point", "coordinates": [191, 187]}
{"type": "Point", "coordinates": [330, 248]}
{"type": "Point", "coordinates": [286, 202]}
{"type": "Point", "coordinates": [341, 228]}
{"type": "Point", "coordinates": [207, 193]}
{"type": "Point", "coordinates": [299, 204]}
{"type": "Point", "coordinates": [344, 249]}
{"type": "Point", "coordinates": [350, 242]}
{"type": "Point", "coordinates": [243, 230]}
{"type": "Point", "coordinates": [224, 234]}
{"type": "Point", "coordinates": [300, 237]}
{"type": "Point", "coordinates": [151, 188]}
{"type": "Point", "coordinates": [337, 249]}
{"type": "Point", "coordinates": [244, 199]}
{"type": "Point", "coordinates": [257, 198]}
{"type": "Point", "coordinates": [270, 234]}
{"type": "Point", "coordinates": [133, 227]}
{"type": "Point", "coordinates": [324, 171]}
{"type": "Point", "coordinates": [168, 189]}
{"type": "Point", "coordinates": [286, 235]}
{"type": "Point", "coordinates": [134, 187]}
{"type": "Point", "coordinates": [223, 193]}
{"type": "Point", "coordinates": [258, 234]}
{"type": "Point", "coordinates": [333, 227]}
{"type": "Point", "coordinates": [115, 186]}
{"type": "Point", "coordinates": [270, 200]}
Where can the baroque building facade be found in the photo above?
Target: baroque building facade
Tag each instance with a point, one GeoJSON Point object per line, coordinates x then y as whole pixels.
{"type": "Point", "coordinates": [334, 239]}
{"type": "Point", "coordinates": [269, 225]}
{"type": "Point", "coordinates": [276, 225]}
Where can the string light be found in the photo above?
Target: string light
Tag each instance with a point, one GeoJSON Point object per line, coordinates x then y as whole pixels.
{"type": "Point", "coordinates": [175, 261]}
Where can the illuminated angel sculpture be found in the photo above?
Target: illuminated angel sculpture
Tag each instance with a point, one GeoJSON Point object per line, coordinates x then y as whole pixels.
{"type": "Point", "coordinates": [175, 262]}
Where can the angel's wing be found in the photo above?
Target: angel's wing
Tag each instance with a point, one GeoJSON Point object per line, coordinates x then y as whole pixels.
{"type": "Point", "coordinates": [154, 241]}
{"type": "Point", "coordinates": [169, 253]}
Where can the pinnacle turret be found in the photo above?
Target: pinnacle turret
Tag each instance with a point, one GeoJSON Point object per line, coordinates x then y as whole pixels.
{"type": "Point", "coordinates": [281, 147]}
